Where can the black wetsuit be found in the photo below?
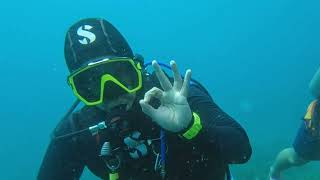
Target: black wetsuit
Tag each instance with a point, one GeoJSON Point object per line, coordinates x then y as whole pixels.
{"type": "Point", "coordinates": [221, 141]}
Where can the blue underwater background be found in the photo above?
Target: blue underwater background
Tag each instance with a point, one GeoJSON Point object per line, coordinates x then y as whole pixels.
{"type": "Point", "coordinates": [255, 57]}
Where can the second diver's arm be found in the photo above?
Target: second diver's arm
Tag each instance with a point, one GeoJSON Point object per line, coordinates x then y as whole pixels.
{"type": "Point", "coordinates": [315, 85]}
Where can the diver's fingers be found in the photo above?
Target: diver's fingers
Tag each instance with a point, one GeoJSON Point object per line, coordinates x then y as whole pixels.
{"type": "Point", "coordinates": [176, 75]}
{"type": "Point", "coordinates": [147, 108]}
{"type": "Point", "coordinates": [163, 79]}
{"type": "Point", "coordinates": [186, 82]}
{"type": "Point", "coordinates": [153, 93]}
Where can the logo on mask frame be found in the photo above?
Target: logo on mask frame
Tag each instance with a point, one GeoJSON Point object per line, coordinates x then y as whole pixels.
{"type": "Point", "coordinates": [88, 37]}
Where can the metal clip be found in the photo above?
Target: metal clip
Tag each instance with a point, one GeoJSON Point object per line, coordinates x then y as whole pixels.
{"type": "Point", "coordinates": [157, 164]}
{"type": "Point", "coordinates": [95, 129]}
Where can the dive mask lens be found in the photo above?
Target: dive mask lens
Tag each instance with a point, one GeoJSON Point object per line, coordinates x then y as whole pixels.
{"type": "Point", "coordinates": [108, 77]}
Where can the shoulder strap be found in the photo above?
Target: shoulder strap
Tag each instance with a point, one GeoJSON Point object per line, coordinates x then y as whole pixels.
{"type": "Point", "coordinates": [312, 117]}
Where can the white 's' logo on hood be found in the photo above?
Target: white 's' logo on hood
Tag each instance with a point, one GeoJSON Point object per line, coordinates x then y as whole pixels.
{"type": "Point", "coordinates": [89, 37]}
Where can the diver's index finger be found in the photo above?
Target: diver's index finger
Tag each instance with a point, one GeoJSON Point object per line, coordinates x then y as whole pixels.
{"type": "Point", "coordinates": [163, 79]}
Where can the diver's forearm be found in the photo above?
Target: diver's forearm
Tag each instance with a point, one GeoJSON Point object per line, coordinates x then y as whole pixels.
{"type": "Point", "coordinates": [220, 132]}
{"type": "Point", "coordinates": [315, 84]}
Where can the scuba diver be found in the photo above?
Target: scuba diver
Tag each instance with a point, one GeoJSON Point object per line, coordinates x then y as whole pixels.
{"type": "Point", "coordinates": [137, 123]}
{"type": "Point", "coordinates": [306, 146]}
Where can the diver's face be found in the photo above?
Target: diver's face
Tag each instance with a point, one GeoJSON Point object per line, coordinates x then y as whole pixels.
{"type": "Point", "coordinates": [124, 99]}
